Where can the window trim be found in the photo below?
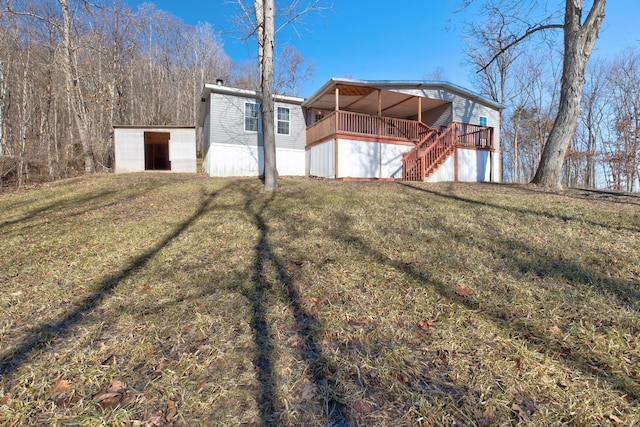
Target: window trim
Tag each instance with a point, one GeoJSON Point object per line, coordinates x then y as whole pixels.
{"type": "Point", "coordinates": [288, 121]}
{"type": "Point", "coordinates": [256, 118]}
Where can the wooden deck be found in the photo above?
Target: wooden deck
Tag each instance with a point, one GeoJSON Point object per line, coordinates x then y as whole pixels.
{"type": "Point", "coordinates": [347, 123]}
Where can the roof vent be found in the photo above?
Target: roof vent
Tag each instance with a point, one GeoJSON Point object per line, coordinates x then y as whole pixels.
{"type": "Point", "coordinates": [220, 82]}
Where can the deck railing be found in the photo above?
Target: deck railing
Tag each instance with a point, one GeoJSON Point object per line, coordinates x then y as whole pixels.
{"type": "Point", "coordinates": [474, 136]}
{"type": "Point", "coordinates": [366, 125]}
{"type": "Point", "coordinates": [425, 158]}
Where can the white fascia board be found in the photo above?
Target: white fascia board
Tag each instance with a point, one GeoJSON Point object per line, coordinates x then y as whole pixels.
{"type": "Point", "coordinates": [402, 84]}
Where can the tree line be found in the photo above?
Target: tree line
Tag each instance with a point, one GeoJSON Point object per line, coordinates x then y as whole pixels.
{"type": "Point", "coordinates": [70, 69]}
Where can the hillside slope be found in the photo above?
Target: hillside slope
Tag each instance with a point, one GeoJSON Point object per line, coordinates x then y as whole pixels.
{"type": "Point", "coordinates": [160, 299]}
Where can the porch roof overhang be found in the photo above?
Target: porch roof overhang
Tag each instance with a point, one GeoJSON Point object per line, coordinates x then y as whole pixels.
{"type": "Point", "coordinates": [362, 96]}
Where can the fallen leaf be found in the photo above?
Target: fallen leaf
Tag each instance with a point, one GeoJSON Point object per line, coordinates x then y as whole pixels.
{"type": "Point", "coordinates": [309, 391]}
{"type": "Point", "coordinates": [116, 386]}
{"type": "Point", "coordinates": [419, 335]}
{"type": "Point", "coordinates": [114, 395]}
{"type": "Point", "coordinates": [426, 324]}
{"type": "Point", "coordinates": [403, 378]}
{"type": "Point", "coordinates": [555, 330]}
{"type": "Point", "coordinates": [524, 408]}
{"type": "Point", "coordinates": [60, 387]}
{"type": "Point", "coordinates": [5, 399]}
{"type": "Point", "coordinates": [361, 406]}
{"type": "Point", "coordinates": [172, 410]}
{"type": "Point", "coordinates": [465, 292]}
{"type": "Point", "coordinates": [615, 419]}
{"type": "Point", "coordinates": [212, 269]}
{"type": "Point", "coordinates": [69, 401]}
{"type": "Point", "coordinates": [486, 417]}
{"type": "Point", "coordinates": [156, 420]}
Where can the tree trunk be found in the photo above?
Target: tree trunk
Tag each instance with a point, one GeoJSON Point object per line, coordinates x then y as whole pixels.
{"type": "Point", "coordinates": [73, 90]}
{"type": "Point", "coordinates": [578, 44]}
{"type": "Point", "coordinates": [266, 105]}
{"type": "Point", "coordinates": [2, 95]}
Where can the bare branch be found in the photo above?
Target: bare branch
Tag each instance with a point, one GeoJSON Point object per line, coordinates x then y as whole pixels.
{"type": "Point", "coordinates": [31, 15]}
{"type": "Point", "coordinates": [527, 34]}
{"type": "Point", "coordinates": [292, 15]}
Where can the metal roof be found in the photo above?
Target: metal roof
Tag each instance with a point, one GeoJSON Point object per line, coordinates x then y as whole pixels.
{"type": "Point", "coordinates": [360, 95]}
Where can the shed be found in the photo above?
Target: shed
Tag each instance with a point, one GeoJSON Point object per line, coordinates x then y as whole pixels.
{"type": "Point", "coordinates": [155, 148]}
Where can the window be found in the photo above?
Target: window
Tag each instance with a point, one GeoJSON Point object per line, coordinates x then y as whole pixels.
{"type": "Point", "coordinates": [283, 121]}
{"type": "Point", "coordinates": [483, 121]}
{"type": "Point", "coordinates": [251, 117]}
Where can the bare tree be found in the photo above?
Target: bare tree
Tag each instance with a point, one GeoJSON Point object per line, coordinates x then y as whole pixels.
{"type": "Point", "coordinates": [266, 10]}
{"type": "Point", "coordinates": [291, 72]}
{"type": "Point", "coordinates": [622, 153]}
{"type": "Point", "coordinates": [579, 38]}
{"type": "Point", "coordinates": [261, 23]}
{"type": "Point", "coordinates": [589, 135]}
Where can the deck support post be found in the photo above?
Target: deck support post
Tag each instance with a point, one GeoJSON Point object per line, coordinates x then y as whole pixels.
{"type": "Point", "coordinates": [420, 109]}
{"type": "Point", "coordinates": [455, 152]}
{"type": "Point", "coordinates": [336, 155]}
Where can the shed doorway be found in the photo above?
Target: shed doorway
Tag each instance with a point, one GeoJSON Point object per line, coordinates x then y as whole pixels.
{"type": "Point", "coordinates": [156, 151]}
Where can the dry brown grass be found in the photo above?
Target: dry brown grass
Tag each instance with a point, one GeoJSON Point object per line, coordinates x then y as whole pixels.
{"type": "Point", "coordinates": [159, 299]}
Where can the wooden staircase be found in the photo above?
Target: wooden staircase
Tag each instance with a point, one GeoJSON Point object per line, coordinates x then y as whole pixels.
{"type": "Point", "coordinates": [428, 154]}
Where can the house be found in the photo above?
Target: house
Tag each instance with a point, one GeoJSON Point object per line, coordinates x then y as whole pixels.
{"type": "Point", "coordinates": [358, 129]}
{"type": "Point", "coordinates": [232, 132]}
{"type": "Point", "coordinates": [411, 130]}
{"type": "Point", "coordinates": [155, 148]}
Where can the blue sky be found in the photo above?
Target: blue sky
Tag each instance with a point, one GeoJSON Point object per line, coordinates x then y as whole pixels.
{"type": "Point", "coordinates": [376, 39]}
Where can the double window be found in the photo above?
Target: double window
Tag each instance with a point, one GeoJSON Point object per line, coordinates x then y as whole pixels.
{"type": "Point", "coordinates": [251, 113]}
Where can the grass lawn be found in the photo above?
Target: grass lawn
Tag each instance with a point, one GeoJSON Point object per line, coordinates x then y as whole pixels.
{"type": "Point", "coordinates": [164, 299]}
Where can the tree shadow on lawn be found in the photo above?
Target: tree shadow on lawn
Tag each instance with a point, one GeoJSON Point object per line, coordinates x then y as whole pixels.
{"type": "Point", "coordinates": [45, 333]}
{"type": "Point", "coordinates": [88, 201]}
{"type": "Point", "coordinates": [519, 210]}
{"type": "Point", "coordinates": [537, 338]}
{"type": "Point", "coordinates": [306, 324]}
{"type": "Point", "coordinates": [627, 295]}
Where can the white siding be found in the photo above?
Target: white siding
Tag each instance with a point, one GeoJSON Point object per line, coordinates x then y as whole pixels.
{"type": "Point", "coordinates": [236, 160]}
{"type": "Point", "coordinates": [392, 159]}
{"type": "Point", "coordinates": [473, 165]}
{"type": "Point", "coordinates": [322, 158]}
{"type": "Point", "coordinates": [182, 150]}
{"type": "Point", "coordinates": [361, 159]}
{"type": "Point", "coordinates": [446, 172]}
{"type": "Point", "coordinates": [227, 123]}
{"type": "Point", "coordinates": [129, 148]}
{"type": "Point", "coordinates": [358, 159]}
{"type": "Point", "coordinates": [232, 151]}
{"type": "Point", "coordinates": [290, 162]}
